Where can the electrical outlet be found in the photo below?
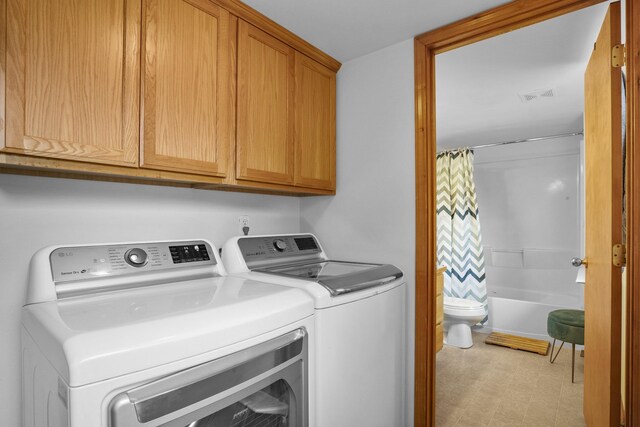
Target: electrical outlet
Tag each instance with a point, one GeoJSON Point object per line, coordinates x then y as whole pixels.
{"type": "Point", "coordinates": [243, 220]}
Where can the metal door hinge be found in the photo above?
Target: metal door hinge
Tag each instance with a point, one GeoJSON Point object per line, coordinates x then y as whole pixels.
{"type": "Point", "coordinates": [619, 255]}
{"type": "Point", "coordinates": [617, 56]}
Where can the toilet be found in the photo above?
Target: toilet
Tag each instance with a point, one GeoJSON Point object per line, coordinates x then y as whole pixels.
{"type": "Point", "coordinates": [459, 316]}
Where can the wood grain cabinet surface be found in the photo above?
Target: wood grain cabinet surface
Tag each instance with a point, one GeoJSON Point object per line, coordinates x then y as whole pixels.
{"type": "Point", "coordinates": [72, 86]}
{"type": "Point", "coordinates": [201, 93]}
{"type": "Point", "coordinates": [186, 87]}
{"type": "Point", "coordinates": [315, 124]}
{"type": "Point", "coordinates": [266, 84]}
{"type": "Point", "coordinates": [286, 114]}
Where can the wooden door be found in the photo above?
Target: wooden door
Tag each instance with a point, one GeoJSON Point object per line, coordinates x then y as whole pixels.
{"type": "Point", "coordinates": [603, 174]}
{"type": "Point", "coordinates": [266, 82]}
{"type": "Point", "coordinates": [187, 87]}
{"type": "Point", "coordinates": [315, 124]}
{"type": "Point", "coordinates": [72, 79]}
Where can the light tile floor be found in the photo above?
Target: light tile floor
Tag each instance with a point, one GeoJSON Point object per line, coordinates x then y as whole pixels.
{"type": "Point", "coordinates": [488, 385]}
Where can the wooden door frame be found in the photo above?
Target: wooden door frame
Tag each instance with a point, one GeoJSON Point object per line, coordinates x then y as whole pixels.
{"type": "Point", "coordinates": [632, 43]}
{"type": "Point", "coordinates": [502, 19]}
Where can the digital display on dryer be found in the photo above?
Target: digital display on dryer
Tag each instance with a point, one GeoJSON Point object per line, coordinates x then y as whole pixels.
{"type": "Point", "coordinates": [188, 253]}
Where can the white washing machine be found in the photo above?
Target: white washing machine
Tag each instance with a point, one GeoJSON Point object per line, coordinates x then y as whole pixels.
{"type": "Point", "coordinates": [155, 334]}
{"type": "Point", "coordinates": [360, 325]}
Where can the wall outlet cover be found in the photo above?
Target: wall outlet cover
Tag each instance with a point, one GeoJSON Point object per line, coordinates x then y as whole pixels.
{"type": "Point", "coordinates": [243, 220]}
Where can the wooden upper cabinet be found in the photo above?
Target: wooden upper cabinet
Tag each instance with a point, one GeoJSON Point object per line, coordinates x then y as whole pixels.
{"type": "Point", "coordinates": [72, 79]}
{"type": "Point", "coordinates": [195, 91]}
{"type": "Point", "coordinates": [187, 84]}
{"type": "Point", "coordinates": [315, 141]}
{"type": "Point", "coordinates": [265, 121]}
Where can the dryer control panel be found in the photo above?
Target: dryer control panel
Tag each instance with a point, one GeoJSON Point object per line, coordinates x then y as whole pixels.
{"type": "Point", "coordinates": [85, 262]}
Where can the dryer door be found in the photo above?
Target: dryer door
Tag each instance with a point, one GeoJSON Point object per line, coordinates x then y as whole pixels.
{"type": "Point", "coordinates": [262, 385]}
{"type": "Point", "coordinates": [273, 405]}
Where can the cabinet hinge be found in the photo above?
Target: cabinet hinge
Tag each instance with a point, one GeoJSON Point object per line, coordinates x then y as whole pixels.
{"type": "Point", "coordinates": [617, 56]}
{"type": "Point", "coordinates": [619, 255]}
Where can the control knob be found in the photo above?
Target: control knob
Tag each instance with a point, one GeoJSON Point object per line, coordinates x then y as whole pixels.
{"type": "Point", "coordinates": [280, 245]}
{"type": "Point", "coordinates": [136, 257]}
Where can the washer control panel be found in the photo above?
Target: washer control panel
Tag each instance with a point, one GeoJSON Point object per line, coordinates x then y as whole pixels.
{"type": "Point", "coordinates": [84, 262]}
{"type": "Point", "coordinates": [274, 248]}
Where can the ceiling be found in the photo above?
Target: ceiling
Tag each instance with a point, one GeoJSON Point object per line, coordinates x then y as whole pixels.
{"type": "Point", "coordinates": [479, 87]}
{"type": "Point", "coordinates": [347, 29]}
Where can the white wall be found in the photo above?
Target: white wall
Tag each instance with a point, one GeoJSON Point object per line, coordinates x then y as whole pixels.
{"type": "Point", "coordinates": [36, 212]}
{"type": "Point", "coordinates": [372, 217]}
{"type": "Point", "coordinates": [529, 200]}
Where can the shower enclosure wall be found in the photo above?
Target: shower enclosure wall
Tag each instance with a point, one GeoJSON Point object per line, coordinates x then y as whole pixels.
{"type": "Point", "coordinates": [530, 204]}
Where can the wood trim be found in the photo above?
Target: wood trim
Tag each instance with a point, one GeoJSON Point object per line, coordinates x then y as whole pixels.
{"type": "Point", "coordinates": [233, 100]}
{"type": "Point", "coordinates": [62, 168]}
{"type": "Point", "coordinates": [39, 164]}
{"type": "Point", "coordinates": [3, 58]}
{"type": "Point", "coordinates": [14, 82]}
{"type": "Point", "coordinates": [254, 17]}
{"type": "Point", "coordinates": [425, 152]}
{"type": "Point", "coordinates": [131, 85]}
{"type": "Point", "coordinates": [57, 149]}
{"type": "Point", "coordinates": [503, 19]}
{"type": "Point", "coordinates": [499, 20]}
{"type": "Point", "coordinates": [274, 190]}
{"type": "Point", "coordinates": [286, 188]}
{"type": "Point", "coordinates": [633, 214]}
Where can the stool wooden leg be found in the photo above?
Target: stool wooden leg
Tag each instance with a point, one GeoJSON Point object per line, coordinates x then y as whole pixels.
{"type": "Point", "coordinates": [553, 358]}
{"type": "Point", "coordinates": [573, 361]}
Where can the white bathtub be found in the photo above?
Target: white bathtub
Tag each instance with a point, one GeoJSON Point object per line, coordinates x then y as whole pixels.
{"type": "Point", "coordinates": [523, 312]}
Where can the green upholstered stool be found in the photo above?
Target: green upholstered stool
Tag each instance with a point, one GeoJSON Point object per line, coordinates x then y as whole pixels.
{"type": "Point", "coordinates": [568, 326]}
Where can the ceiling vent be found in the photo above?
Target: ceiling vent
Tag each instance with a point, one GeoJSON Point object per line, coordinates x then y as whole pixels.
{"type": "Point", "coordinates": [537, 95]}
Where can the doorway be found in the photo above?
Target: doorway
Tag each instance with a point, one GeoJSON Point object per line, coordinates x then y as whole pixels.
{"type": "Point", "coordinates": [516, 102]}
{"type": "Point", "coordinates": [500, 20]}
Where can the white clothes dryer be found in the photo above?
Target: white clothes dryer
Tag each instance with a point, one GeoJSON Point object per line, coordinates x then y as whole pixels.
{"type": "Point", "coordinates": [156, 334]}
{"type": "Point", "coordinates": [360, 325]}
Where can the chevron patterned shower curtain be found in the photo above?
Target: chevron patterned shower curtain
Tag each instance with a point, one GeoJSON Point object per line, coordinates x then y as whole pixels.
{"type": "Point", "coordinates": [459, 239]}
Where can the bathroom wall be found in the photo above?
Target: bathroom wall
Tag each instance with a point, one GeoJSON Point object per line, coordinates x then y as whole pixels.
{"type": "Point", "coordinates": [372, 217]}
{"type": "Point", "coordinates": [36, 212]}
{"type": "Point", "coordinates": [530, 201]}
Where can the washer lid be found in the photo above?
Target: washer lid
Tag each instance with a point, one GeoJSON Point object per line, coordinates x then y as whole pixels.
{"type": "Point", "coordinates": [339, 277]}
{"type": "Point", "coordinates": [101, 336]}
{"type": "Point", "coordinates": [462, 304]}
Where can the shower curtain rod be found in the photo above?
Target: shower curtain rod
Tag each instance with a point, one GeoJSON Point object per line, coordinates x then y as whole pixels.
{"type": "Point", "coordinates": [518, 141]}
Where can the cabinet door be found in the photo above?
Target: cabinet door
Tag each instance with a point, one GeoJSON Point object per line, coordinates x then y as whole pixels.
{"type": "Point", "coordinates": [315, 125]}
{"type": "Point", "coordinates": [72, 79]}
{"type": "Point", "coordinates": [186, 88]}
{"type": "Point", "coordinates": [265, 130]}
